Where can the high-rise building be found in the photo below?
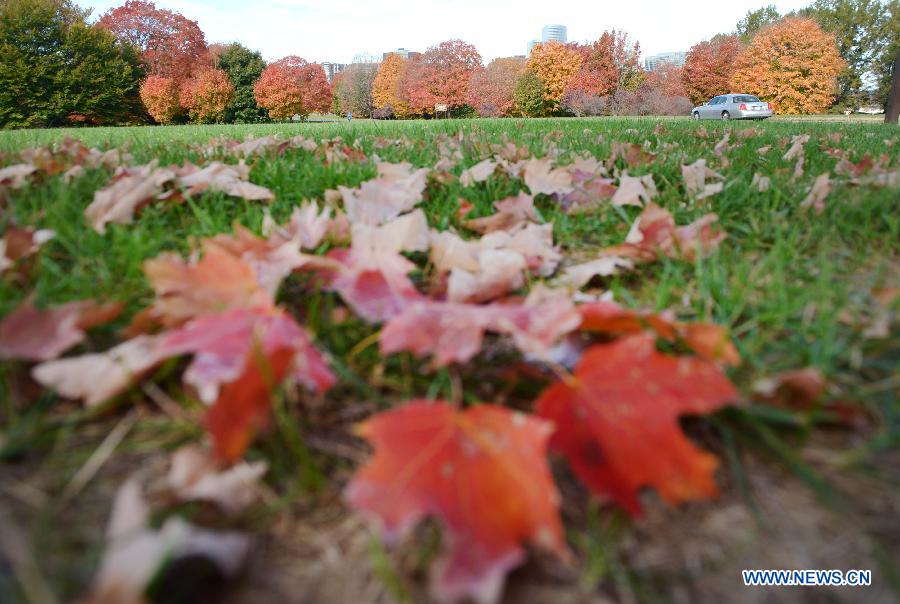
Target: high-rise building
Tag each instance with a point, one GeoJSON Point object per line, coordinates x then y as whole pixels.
{"type": "Point", "coordinates": [550, 33]}
{"type": "Point", "coordinates": [406, 54]}
{"type": "Point", "coordinates": [332, 69]}
{"type": "Point", "coordinates": [665, 58]}
{"type": "Point", "coordinates": [554, 32]}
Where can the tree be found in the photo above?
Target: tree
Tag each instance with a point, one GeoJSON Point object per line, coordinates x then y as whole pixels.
{"type": "Point", "coordinates": [862, 30]}
{"type": "Point", "coordinates": [885, 67]}
{"type": "Point", "coordinates": [892, 107]}
{"type": "Point", "coordinates": [56, 69]}
{"type": "Point", "coordinates": [709, 67]}
{"type": "Point", "coordinates": [608, 64]}
{"type": "Point", "coordinates": [793, 64]}
{"type": "Point", "coordinates": [555, 64]}
{"type": "Point", "coordinates": [668, 80]}
{"type": "Point", "coordinates": [160, 96]}
{"type": "Point", "coordinates": [756, 20]}
{"type": "Point", "coordinates": [171, 45]}
{"type": "Point", "coordinates": [387, 86]}
{"type": "Point", "coordinates": [292, 86]}
{"type": "Point", "coordinates": [243, 66]}
{"type": "Point", "coordinates": [531, 98]}
{"type": "Point", "coordinates": [440, 76]}
{"type": "Point", "coordinates": [492, 91]}
{"type": "Point", "coordinates": [207, 95]}
{"type": "Point", "coordinates": [353, 87]}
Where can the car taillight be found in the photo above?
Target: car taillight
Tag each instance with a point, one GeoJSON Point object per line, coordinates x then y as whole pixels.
{"type": "Point", "coordinates": [743, 107]}
{"type": "Point", "coordinates": [769, 105]}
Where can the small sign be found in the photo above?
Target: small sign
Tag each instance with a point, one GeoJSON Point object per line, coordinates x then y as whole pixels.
{"type": "Point", "coordinates": [440, 108]}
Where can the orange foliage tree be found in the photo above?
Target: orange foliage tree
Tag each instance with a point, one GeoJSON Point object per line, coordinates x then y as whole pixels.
{"type": "Point", "coordinates": [292, 86]}
{"type": "Point", "coordinates": [710, 66]}
{"type": "Point", "coordinates": [207, 95]}
{"type": "Point", "coordinates": [386, 89]}
{"type": "Point", "coordinates": [161, 98]}
{"type": "Point", "coordinates": [793, 64]}
{"type": "Point", "coordinates": [492, 90]}
{"type": "Point", "coordinates": [608, 64]}
{"type": "Point", "coordinates": [441, 75]}
{"type": "Point", "coordinates": [555, 64]}
{"type": "Point", "coordinates": [171, 45]}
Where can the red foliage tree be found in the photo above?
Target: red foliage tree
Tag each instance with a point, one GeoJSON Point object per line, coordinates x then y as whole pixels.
{"type": "Point", "coordinates": [441, 75]}
{"type": "Point", "coordinates": [171, 45]}
{"type": "Point", "coordinates": [709, 67]}
{"type": "Point", "coordinates": [667, 79]}
{"type": "Point", "coordinates": [161, 98]}
{"type": "Point", "coordinates": [206, 96]}
{"type": "Point", "coordinates": [292, 86]}
{"type": "Point", "coordinates": [492, 90]}
{"type": "Point", "coordinates": [609, 64]}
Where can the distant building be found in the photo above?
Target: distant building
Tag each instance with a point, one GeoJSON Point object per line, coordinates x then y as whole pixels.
{"type": "Point", "coordinates": [332, 69]}
{"type": "Point", "coordinates": [556, 33]}
{"type": "Point", "coordinates": [406, 54]}
{"type": "Point", "coordinates": [550, 33]}
{"type": "Point", "coordinates": [665, 58]}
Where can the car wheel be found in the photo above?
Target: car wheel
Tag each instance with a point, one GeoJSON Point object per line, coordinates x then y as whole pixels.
{"type": "Point", "coordinates": [695, 115]}
{"type": "Point", "coordinates": [726, 115]}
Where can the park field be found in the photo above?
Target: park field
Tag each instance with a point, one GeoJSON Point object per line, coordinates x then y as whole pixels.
{"type": "Point", "coordinates": [808, 474]}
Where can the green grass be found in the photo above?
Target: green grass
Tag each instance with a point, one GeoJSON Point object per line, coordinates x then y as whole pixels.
{"type": "Point", "coordinates": [791, 286]}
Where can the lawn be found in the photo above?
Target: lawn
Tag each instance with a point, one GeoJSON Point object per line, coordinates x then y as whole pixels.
{"type": "Point", "coordinates": [805, 483]}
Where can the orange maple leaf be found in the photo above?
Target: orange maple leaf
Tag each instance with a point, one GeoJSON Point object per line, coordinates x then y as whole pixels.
{"type": "Point", "coordinates": [483, 472]}
{"type": "Point", "coordinates": [617, 422]}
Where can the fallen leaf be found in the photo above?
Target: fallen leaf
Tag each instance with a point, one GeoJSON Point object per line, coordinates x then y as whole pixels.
{"type": "Point", "coordinates": [397, 189]}
{"type": "Point", "coordinates": [541, 177]}
{"type": "Point", "coordinates": [225, 178]}
{"type": "Point", "coordinates": [480, 172]}
{"type": "Point", "coordinates": [578, 275]}
{"type": "Point", "coordinates": [817, 194]}
{"type": "Point", "coordinates": [512, 213]}
{"type": "Point", "coordinates": [18, 243]}
{"type": "Point", "coordinates": [762, 183]}
{"type": "Point", "coordinates": [195, 475]}
{"type": "Point", "coordinates": [129, 191]}
{"type": "Point", "coordinates": [695, 176]}
{"type": "Point", "coordinates": [32, 334]}
{"type": "Point", "coordinates": [617, 421]}
{"type": "Point", "coordinates": [482, 472]}
{"type": "Point", "coordinates": [454, 332]}
{"type": "Point", "coordinates": [797, 389]}
{"type": "Point", "coordinates": [796, 150]}
{"type": "Point", "coordinates": [634, 190]}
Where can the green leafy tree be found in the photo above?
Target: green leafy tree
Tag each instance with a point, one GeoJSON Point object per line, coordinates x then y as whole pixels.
{"type": "Point", "coordinates": [756, 20]}
{"type": "Point", "coordinates": [530, 97]}
{"type": "Point", "coordinates": [885, 63]}
{"type": "Point", "coordinates": [864, 31]}
{"type": "Point", "coordinates": [243, 66]}
{"type": "Point", "coordinates": [57, 70]}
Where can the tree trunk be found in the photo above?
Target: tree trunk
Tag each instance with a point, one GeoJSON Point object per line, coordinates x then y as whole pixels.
{"type": "Point", "coordinates": [892, 111]}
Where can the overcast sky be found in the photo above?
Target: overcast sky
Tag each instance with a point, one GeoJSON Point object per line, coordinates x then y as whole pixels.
{"type": "Point", "coordinates": [336, 30]}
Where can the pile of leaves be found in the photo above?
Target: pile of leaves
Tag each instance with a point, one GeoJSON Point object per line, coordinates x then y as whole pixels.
{"type": "Point", "coordinates": [493, 289]}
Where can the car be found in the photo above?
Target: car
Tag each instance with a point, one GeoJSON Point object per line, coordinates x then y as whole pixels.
{"type": "Point", "coordinates": [733, 107]}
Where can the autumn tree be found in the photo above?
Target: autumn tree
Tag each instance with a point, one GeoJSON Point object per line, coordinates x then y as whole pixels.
{"type": "Point", "coordinates": [492, 91]}
{"type": "Point", "coordinates": [863, 30]}
{"type": "Point", "coordinates": [171, 45]}
{"type": "Point", "coordinates": [353, 88]}
{"type": "Point", "coordinates": [556, 64]}
{"type": "Point", "coordinates": [292, 86]}
{"type": "Point", "coordinates": [161, 97]}
{"type": "Point", "coordinates": [709, 67]}
{"type": "Point", "coordinates": [756, 20]}
{"type": "Point", "coordinates": [387, 86]}
{"type": "Point", "coordinates": [243, 66]}
{"type": "Point", "coordinates": [793, 64]}
{"type": "Point", "coordinates": [207, 95]}
{"type": "Point", "coordinates": [608, 64]}
{"type": "Point", "coordinates": [668, 79]}
{"type": "Point", "coordinates": [56, 69]}
{"type": "Point", "coordinates": [531, 98]}
{"type": "Point", "coordinates": [440, 75]}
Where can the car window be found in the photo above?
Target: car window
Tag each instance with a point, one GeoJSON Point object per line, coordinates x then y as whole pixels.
{"type": "Point", "coordinates": [751, 99]}
{"type": "Point", "coordinates": [713, 101]}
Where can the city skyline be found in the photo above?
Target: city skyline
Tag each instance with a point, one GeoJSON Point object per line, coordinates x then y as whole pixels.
{"type": "Point", "coordinates": [337, 33]}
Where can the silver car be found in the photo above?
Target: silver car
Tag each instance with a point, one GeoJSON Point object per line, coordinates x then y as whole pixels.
{"type": "Point", "coordinates": [733, 107]}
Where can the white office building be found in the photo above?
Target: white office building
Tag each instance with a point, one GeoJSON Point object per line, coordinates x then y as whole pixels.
{"type": "Point", "coordinates": [556, 33]}
{"type": "Point", "coordinates": [665, 58]}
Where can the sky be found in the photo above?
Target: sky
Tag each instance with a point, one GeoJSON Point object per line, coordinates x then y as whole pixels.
{"type": "Point", "coordinates": [339, 30]}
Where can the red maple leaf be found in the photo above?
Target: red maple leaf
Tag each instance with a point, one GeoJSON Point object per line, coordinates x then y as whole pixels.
{"type": "Point", "coordinates": [483, 472]}
{"type": "Point", "coordinates": [617, 422]}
